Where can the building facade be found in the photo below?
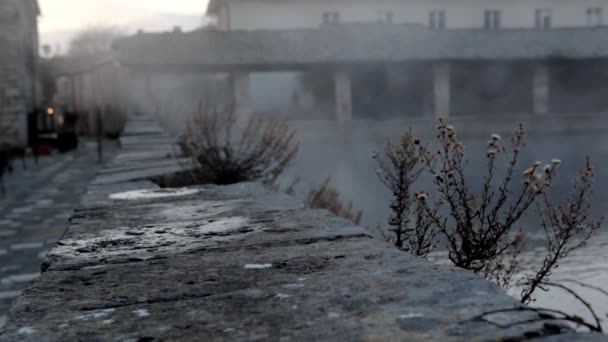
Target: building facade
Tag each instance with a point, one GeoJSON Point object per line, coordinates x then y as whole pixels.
{"type": "Point", "coordinates": [448, 14]}
{"type": "Point", "coordinates": [468, 87]}
{"type": "Point", "coordinates": [388, 59]}
{"type": "Point", "coordinates": [19, 82]}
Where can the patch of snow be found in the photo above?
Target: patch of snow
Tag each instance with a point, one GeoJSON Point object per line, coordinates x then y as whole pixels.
{"type": "Point", "coordinates": [411, 315]}
{"type": "Point", "coordinates": [333, 315]}
{"type": "Point", "coordinates": [282, 296]}
{"type": "Point", "coordinates": [294, 286]}
{"type": "Point", "coordinates": [108, 321]}
{"type": "Point", "coordinates": [141, 313]}
{"type": "Point", "coordinates": [257, 266]}
{"type": "Point", "coordinates": [94, 315]}
{"type": "Point", "coordinates": [152, 194]}
{"type": "Point", "coordinates": [26, 331]}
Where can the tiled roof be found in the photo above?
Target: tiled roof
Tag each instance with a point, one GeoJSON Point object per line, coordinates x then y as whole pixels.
{"type": "Point", "coordinates": [276, 49]}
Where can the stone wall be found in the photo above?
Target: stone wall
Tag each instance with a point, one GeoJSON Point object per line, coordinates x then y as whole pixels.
{"type": "Point", "coordinates": [18, 67]}
{"type": "Point", "coordinates": [241, 262]}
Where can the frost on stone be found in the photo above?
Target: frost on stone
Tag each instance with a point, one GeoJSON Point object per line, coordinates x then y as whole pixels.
{"type": "Point", "coordinates": [411, 315]}
{"type": "Point", "coordinates": [141, 312]}
{"type": "Point", "coordinates": [94, 315]}
{"type": "Point", "coordinates": [152, 194]}
{"type": "Point", "coordinates": [257, 266]}
{"type": "Point", "coordinates": [26, 331]}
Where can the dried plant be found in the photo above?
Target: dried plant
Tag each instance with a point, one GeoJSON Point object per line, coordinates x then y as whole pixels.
{"type": "Point", "coordinates": [327, 197]}
{"type": "Point", "coordinates": [567, 227]}
{"type": "Point", "coordinates": [479, 229]}
{"type": "Point", "coordinates": [262, 150]}
{"type": "Point", "coordinates": [399, 167]}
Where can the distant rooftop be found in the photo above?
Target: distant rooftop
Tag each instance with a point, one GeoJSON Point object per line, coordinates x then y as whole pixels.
{"type": "Point", "coordinates": [362, 43]}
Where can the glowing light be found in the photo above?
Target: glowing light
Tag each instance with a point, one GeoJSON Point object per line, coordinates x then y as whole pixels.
{"type": "Point", "coordinates": [50, 111]}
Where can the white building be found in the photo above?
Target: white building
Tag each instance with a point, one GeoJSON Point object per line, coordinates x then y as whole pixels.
{"type": "Point", "coordinates": [451, 14]}
{"type": "Point", "coordinates": [251, 15]}
{"type": "Point", "coordinates": [375, 59]}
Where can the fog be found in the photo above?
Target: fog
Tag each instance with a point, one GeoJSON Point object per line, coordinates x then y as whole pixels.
{"type": "Point", "coordinates": [344, 151]}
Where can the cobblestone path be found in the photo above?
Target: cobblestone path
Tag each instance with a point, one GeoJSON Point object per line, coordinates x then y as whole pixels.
{"type": "Point", "coordinates": [34, 212]}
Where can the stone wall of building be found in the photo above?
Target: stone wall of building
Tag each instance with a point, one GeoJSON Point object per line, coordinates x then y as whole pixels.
{"type": "Point", "coordinates": [19, 86]}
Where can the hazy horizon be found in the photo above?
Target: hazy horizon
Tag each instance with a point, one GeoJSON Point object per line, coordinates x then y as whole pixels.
{"type": "Point", "coordinates": [60, 19]}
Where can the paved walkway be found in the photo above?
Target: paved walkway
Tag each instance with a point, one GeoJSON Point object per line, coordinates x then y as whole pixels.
{"type": "Point", "coordinates": [34, 213]}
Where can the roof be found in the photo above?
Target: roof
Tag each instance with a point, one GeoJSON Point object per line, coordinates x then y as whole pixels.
{"type": "Point", "coordinates": [277, 49]}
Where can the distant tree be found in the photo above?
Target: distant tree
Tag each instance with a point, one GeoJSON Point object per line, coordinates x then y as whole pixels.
{"type": "Point", "coordinates": [94, 40]}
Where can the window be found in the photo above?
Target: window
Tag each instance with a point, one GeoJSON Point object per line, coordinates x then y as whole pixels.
{"type": "Point", "coordinates": [491, 19]}
{"type": "Point", "coordinates": [437, 20]}
{"type": "Point", "coordinates": [543, 18]}
{"type": "Point", "coordinates": [386, 16]}
{"type": "Point", "coordinates": [595, 16]}
{"type": "Point", "coordinates": [331, 17]}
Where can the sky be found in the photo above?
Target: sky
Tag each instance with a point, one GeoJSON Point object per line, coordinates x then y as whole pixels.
{"type": "Point", "coordinates": [61, 18]}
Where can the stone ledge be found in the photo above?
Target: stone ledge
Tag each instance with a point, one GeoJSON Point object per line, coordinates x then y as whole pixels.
{"type": "Point", "coordinates": [241, 263]}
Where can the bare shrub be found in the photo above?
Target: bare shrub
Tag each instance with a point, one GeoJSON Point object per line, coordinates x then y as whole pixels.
{"type": "Point", "coordinates": [479, 227]}
{"type": "Point", "coordinates": [567, 227]}
{"type": "Point", "coordinates": [399, 167]}
{"type": "Point", "coordinates": [327, 197]}
{"type": "Point", "coordinates": [222, 152]}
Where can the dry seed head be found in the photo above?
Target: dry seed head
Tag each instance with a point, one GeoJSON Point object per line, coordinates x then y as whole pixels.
{"type": "Point", "coordinates": [422, 195]}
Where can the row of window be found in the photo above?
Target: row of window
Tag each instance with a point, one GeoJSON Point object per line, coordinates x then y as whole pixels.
{"type": "Point", "coordinates": [492, 18]}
